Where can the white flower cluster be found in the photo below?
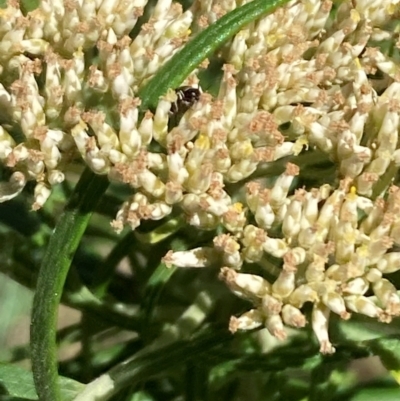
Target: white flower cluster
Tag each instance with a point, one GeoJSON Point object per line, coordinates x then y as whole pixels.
{"type": "Point", "coordinates": [48, 97]}
{"type": "Point", "coordinates": [301, 79]}
{"type": "Point", "coordinates": [336, 245]}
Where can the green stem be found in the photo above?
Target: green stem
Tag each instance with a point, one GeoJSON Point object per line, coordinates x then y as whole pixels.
{"type": "Point", "coordinates": [151, 363]}
{"type": "Point", "coordinates": [53, 272]}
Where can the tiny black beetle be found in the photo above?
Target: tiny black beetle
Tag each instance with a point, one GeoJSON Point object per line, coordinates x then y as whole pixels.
{"type": "Point", "coordinates": [187, 96]}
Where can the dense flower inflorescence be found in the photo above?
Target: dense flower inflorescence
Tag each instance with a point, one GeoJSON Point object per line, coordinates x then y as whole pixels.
{"type": "Point", "coordinates": [299, 87]}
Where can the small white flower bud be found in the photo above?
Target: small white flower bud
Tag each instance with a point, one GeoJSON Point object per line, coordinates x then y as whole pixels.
{"type": "Point", "coordinates": [387, 295]}
{"type": "Point", "coordinates": [264, 214]}
{"type": "Point", "coordinates": [270, 305]}
{"type": "Point", "coordinates": [310, 209]}
{"type": "Point", "coordinates": [357, 286]}
{"type": "Point", "coordinates": [302, 294]}
{"type": "Point", "coordinates": [248, 286]}
{"type": "Point", "coordinates": [281, 187]}
{"type": "Point", "coordinates": [284, 284]}
{"type": "Point", "coordinates": [275, 247]}
{"type": "Point", "coordinates": [363, 305]}
{"type": "Point", "coordinates": [248, 321]}
{"type": "Point", "coordinates": [274, 325]}
{"type": "Point", "coordinates": [373, 275]}
{"type": "Point", "coordinates": [292, 219]}
{"type": "Point", "coordinates": [7, 143]}
{"type": "Point", "coordinates": [241, 170]}
{"type": "Point", "coordinates": [12, 188]}
{"type": "Point", "coordinates": [292, 316]}
{"type": "Point", "coordinates": [41, 194]}
{"type": "Point", "coordinates": [151, 183]}
{"type": "Point", "coordinates": [374, 216]}
{"type": "Point", "coordinates": [320, 320]}
{"type": "Point", "coordinates": [230, 248]}
{"type": "Point", "coordinates": [389, 263]}
{"type": "Point", "coordinates": [55, 177]}
{"type": "Point", "coordinates": [198, 257]}
{"type": "Point", "coordinates": [336, 304]}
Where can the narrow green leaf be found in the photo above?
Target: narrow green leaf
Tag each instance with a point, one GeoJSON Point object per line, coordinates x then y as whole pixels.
{"type": "Point", "coordinates": [173, 72]}
{"type": "Point", "coordinates": [151, 364]}
{"type": "Point", "coordinates": [53, 272]}
{"type": "Point", "coordinates": [153, 290]}
{"type": "Point", "coordinates": [154, 286]}
{"type": "Point", "coordinates": [388, 350]}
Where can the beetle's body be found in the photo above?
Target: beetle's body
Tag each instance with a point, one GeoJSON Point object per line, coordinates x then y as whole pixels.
{"type": "Point", "coordinates": [187, 96]}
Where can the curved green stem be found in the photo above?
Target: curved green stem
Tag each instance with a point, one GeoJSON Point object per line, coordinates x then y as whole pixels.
{"type": "Point", "coordinates": [151, 362]}
{"type": "Point", "coordinates": [53, 272]}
